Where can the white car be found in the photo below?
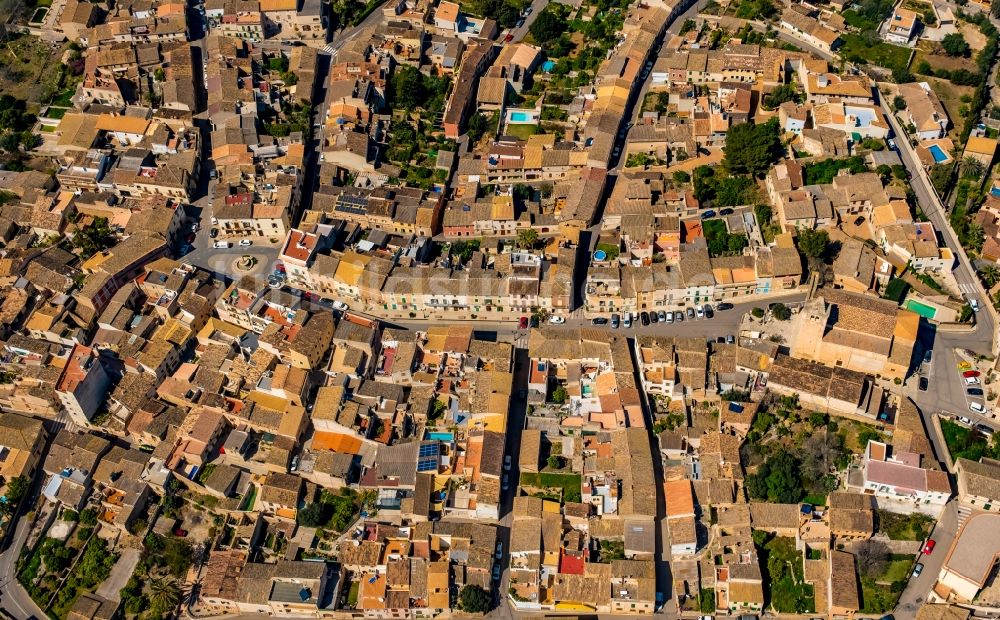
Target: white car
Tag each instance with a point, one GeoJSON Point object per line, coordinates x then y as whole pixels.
{"type": "Point", "coordinates": [972, 381]}
{"type": "Point", "coordinates": [700, 312]}
{"type": "Point", "coordinates": [974, 304]}
{"type": "Point", "coordinates": [977, 408]}
{"type": "Point", "coordinates": [964, 420]}
{"type": "Point", "coordinates": [557, 320]}
{"type": "Point", "coordinates": [215, 220]}
{"type": "Point", "coordinates": [339, 305]}
{"type": "Point", "coordinates": [222, 244]}
{"type": "Point", "coordinates": [245, 243]}
{"type": "Point", "coordinates": [668, 317]}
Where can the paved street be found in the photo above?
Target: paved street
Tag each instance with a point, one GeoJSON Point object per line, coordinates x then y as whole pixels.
{"type": "Point", "coordinates": [13, 597]}
{"type": "Point", "coordinates": [916, 590]}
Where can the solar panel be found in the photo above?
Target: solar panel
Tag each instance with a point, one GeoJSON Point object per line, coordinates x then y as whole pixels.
{"type": "Point", "coordinates": [427, 464]}
{"type": "Point", "coordinates": [429, 449]}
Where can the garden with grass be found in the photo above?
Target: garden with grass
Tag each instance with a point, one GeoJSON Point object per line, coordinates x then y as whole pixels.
{"type": "Point", "coordinates": [903, 527]}
{"type": "Point", "coordinates": [968, 443]}
{"type": "Point", "coordinates": [414, 148]}
{"type": "Point", "coordinates": [788, 591]}
{"type": "Point", "coordinates": [869, 49]}
{"type": "Point", "coordinates": [564, 486]}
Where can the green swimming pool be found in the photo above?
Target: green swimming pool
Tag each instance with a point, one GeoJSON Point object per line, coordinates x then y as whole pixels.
{"type": "Point", "coordinates": [923, 310]}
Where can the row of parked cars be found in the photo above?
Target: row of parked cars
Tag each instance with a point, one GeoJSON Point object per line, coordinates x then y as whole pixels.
{"type": "Point", "coordinates": [647, 318]}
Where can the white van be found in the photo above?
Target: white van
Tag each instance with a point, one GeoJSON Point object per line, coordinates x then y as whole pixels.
{"type": "Point", "coordinates": [222, 244]}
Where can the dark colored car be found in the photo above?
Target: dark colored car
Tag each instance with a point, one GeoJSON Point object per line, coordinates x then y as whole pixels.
{"type": "Point", "coordinates": [707, 214]}
{"type": "Point", "coordinates": [213, 233]}
{"type": "Point", "coordinates": [690, 313]}
{"type": "Point", "coordinates": [534, 321]}
{"type": "Point", "coordinates": [974, 391]}
{"type": "Point", "coordinates": [726, 211]}
{"type": "Point", "coordinates": [644, 318]}
{"type": "Point", "coordinates": [724, 306]}
{"type": "Point", "coordinates": [678, 316]}
{"type": "Point", "coordinates": [600, 321]}
{"type": "Point", "coordinates": [653, 318]}
{"type": "Point", "coordinates": [708, 311]}
{"type": "Point", "coordinates": [923, 383]}
{"type": "Point", "coordinates": [858, 221]}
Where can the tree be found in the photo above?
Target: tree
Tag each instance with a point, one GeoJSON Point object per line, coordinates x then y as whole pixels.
{"type": "Point", "coordinates": [164, 594]}
{"type": "Point", "coordinates": [990, 275]}
{"type": "Point", "coordinates": [160, 75]}
{"type": "Point", "coordinates": [17, 488]}
{"type": "Point", "coordinates": [751, 149]}
{"type": "Point", "coordinates": [680, 177]}
{"type": "Point", "coordinates": [954, 44]}
{"type": "Point", "coordinates": [813, 243]}
{"type": "Point", "coordinates": [781, 312]}
{"type": "Point", "coordinates": [474, 600]}
{"type": "Point", "coordinates": [781, 94]}
{"type": "Point", "coordinates": [757, 313]}
{"type": "Point", "coordinates": [872, 556]}
{"type": "Point", "coordinates": [548, 26]}
{"type": "Point", "coordinates": [95, 237]}
{"type": "Point", "coordinates": [972, 168]}
{"type": "Point", "coordinates": [527, 238]}
{"type": "Point", "coordinates": [479, 124]}
{"type": "Point", "coordinates": [559, 395]}
{"type": "Point", "coordinates": [554, 461]}
{"type": "Point", "coordinates": [407, 88]}
{"type": "Point", "coordinates": [777, 480]}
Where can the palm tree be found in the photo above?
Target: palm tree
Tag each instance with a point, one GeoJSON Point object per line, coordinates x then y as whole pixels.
{"type": "Point", "coordinates": [164, 593]}
{"type": "Point", "coordinates": [972, 168]}
{"type": "Point", "coordinates": [990, 275]}
{"type": "Point", "coordinates": [527, 238]}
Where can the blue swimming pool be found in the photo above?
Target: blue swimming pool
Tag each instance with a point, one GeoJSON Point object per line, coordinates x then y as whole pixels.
{"type": "Point", "coordinates": [938, 154]}
{"type": "Point", "coordinates": [995, 191]}
{"type": "Point", "coordinates": [520, 117]}
{"type": "Point", "coordinates": [439, 436]}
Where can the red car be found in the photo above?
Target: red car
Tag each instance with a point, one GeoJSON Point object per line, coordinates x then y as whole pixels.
{"type": "Point", "coordinates": [970, 373]}
{"type": "Point", "coordinates": [929, 547]}
{"type": "Point", "coordinates": [523, 323]}
{"type": "Point", "coordinates": [508, 38]}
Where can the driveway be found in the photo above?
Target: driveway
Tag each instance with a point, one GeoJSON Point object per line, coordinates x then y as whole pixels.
{"type": "Point", "coordinates": [120, 574]}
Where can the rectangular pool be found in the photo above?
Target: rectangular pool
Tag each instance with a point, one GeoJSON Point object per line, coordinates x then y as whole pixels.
{"type": "Point", "coordinates": [923, 310]}
{"type": "Point", "coordinates": [520, 117]}
{"type": "Point", "coordinates": [938, 154]}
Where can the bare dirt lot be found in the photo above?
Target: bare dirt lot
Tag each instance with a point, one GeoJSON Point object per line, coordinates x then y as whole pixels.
{"type": "Point", "coordinates": [30, 68]}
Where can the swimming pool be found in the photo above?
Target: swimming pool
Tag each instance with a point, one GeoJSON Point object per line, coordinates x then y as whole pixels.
{"type": "Point", "coordinates": [600, 255]}
{"type": "Point", "coordinates": [923, 310]}
{"type": "Point", "coordinates": [995, 191]}
{"type": "Point", "coordinates": [938, 154]}
{"type": "Point", "coordinates": [438, 436]}
{"type": "Point", "coordinates": [520, 117]}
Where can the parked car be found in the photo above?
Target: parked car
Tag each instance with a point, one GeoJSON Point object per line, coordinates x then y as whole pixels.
{"type": "Point", "coordinates": [644, 318]}
{"type": "Point", "coordinates": [724, 306]}
{"type": "Point", "coordinates": [665, 317]}
{"type": "Point", "coordinates": [922, 384]}
{"type": "Point", "coordinates": [534, 321]}
{"type": "Point", "coordinates": [615, 321]}
{"type": "Point", "coordinates": [496, 572]}
{"type": "Point", "coordinates": [213, 233]}
{"type": "Point", "coordinates": [527, 11]}
{"type": "Point", "coordinates": [986, 430]}
{"type": "Point", "coordinates": [964, 420]}
{"type": "Point", "coordinates": [506, 482]}
{"type": "Point", "coordinates": [730, 339]}
{"type": "Point", "coordinates": [245, 243]}
{"type": "Point", "coordinates": [557, 320]}
{"type": "Point", "coordinates": [892, 144]}
{"type": "Point", "coordinates": [708, 311]}
{"type": "Point", "coordinates": [708, 214]}
{"type": "Point", "coordinates": [977, 408]}
{"type": "Point", "coordinates": [972, 381]}
{"type": "Point", "coordinates": [858, 221]}
{"type": "Point", "coordinates": [690, 313]}
{"type": "Point", "coordinates": [929, 546]}
{"type": "Point", "coordinates": [928, 354]}
{"type": "Point", "coordinates": [919, 568]}
{"type": "Point", "coordinates": [970, 373]}
{"type": "Point", "coordinates": [519, 23]}
{"type": "Point", "coordinates": [974, 304]}
{"type": "Point", "coordinates": [726, 211]}
{"type": "Point", "coordinates": [506, 463]}
{"type": "Point", "coordinates": [600, 321]}
{"type": "Point", "coordinates": [678, 316]}
{"type": "Point", "coordinates": [339, 305]}
{"type": "Point", "coordinates": [523, 323]}
{"type": "Point", "coordinates": [974, 391]}
{"type": "Point", "coordinates": [221, 244]}
{"type": "Point", "coordinates": [653, 318]}
{"type": "Point", "coordinates": [499, 550]}
{"type": "Point", "coordinates": [627, 320]}
{"type": "Point", "coordinates": [700, 312]}
{"type": "Point", "coordinates": [508, 38]}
